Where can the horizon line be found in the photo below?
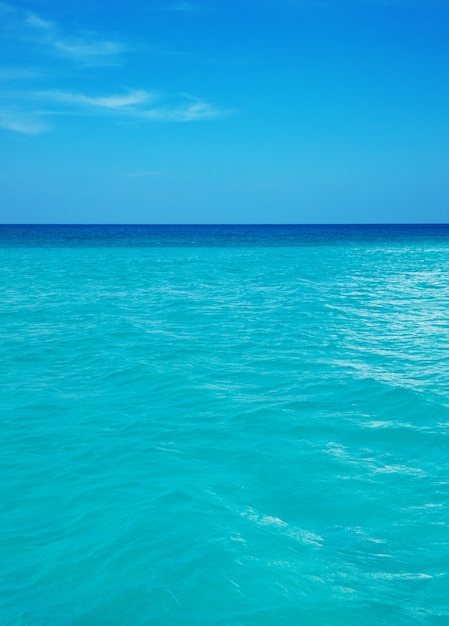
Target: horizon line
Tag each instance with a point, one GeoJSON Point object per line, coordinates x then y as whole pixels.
{"type": "Point", "coordinates": [225, 224]}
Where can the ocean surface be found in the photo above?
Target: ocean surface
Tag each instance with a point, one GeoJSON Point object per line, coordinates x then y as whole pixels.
{"type": "Point", "coordinates": [217, 425]}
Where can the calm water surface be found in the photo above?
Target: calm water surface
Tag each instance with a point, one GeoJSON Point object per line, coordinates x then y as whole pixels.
{"type": "Point", "coordinates": [224, 425]}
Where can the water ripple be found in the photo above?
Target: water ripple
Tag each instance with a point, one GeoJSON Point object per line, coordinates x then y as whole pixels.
{"type": "Point", "coordinates": [226, 434]}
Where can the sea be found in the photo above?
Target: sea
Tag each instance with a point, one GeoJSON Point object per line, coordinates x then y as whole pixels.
{"type": "Point", "coordinates": [224, 425]}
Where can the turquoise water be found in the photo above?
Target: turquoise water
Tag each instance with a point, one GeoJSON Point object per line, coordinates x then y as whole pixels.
{"type": "Point", "coordinates": [225, 427]}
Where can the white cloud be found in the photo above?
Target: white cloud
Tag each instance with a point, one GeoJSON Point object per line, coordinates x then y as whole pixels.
{"type": "Point", "coordinates": [21, 124]}
{"type": "Point", "coordinates": [134, 104]}
{"type": "Point", "coordinates": [129, 100]}
{"type": "Point", "coordinates": [199, 110]}
{"type": "Point", "coordinates": [37, 22]}
{"type": "Point", "coordinates": [86, 48]}
{"type": "Point", "coordinates": [26, 115]}
{"type": "Point", "coordinates": [25, 111]}
{"type": "Point", "coordinates": [90, 52]}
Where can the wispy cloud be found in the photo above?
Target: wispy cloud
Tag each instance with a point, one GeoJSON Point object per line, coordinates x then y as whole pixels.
{"type": "Point", "coordinates": [22, 124]}
{"type": "Point", "coordinates": [27, 111]}
{"type": "Point", "coordinates": [37, 22]}
{"type": "Point", "coordinates": [128, 101]}
{"type": "Point", "coordinates": [187, 112]}
{"type": "Point", "coordinates": [137, 105]}
{"type": "Point", "coordinates": [86, 47]}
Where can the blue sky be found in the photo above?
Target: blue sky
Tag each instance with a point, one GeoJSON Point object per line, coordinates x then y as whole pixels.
{"type": "Point", "coordinates": [218, 111]}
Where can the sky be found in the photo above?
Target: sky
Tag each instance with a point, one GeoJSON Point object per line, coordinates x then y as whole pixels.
{"type": "Point", "coordinates": [224, 111]}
